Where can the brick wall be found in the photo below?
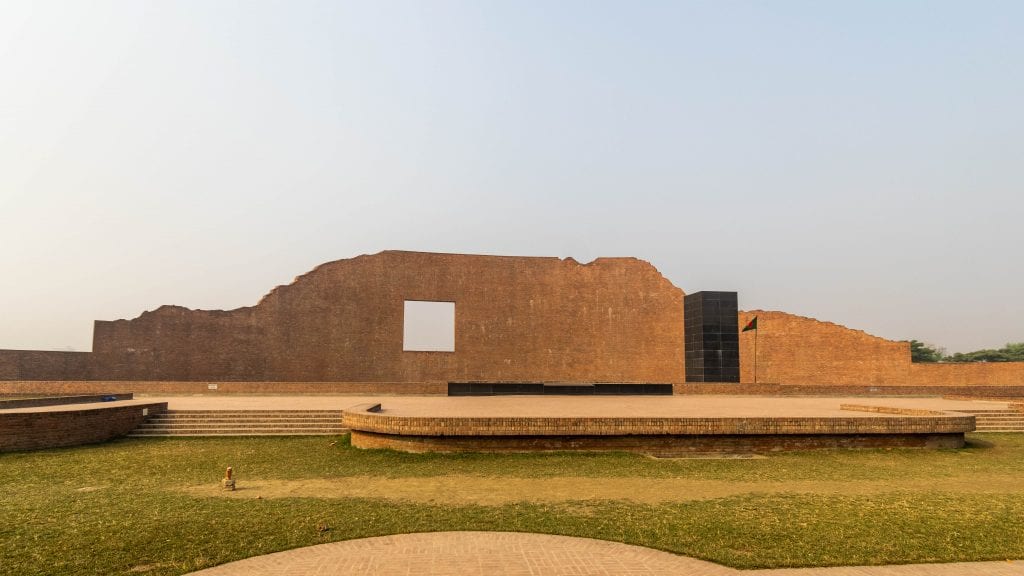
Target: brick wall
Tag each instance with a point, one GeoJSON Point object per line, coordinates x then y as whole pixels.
{"type": "Point", "coordinates": [58, 400]}
{"type": "Point", "coordinates": [33, 430]}
{"type": "Point", "coordinates": [44, 365]}
{"type": "Point", "coordinates": [516, 319]}
{"type": "Point", "coordinates": [21, 388]}
{"type": "Point", "coordinates": [339, 328]}
{"type": "Point", "coordinates": [794, 349]}
{"type": "Point", "coordinates": [171, 387]}
{"type": "Point", "coordinates": [973, 374]}
{"type": "Point", "coordinates": [797, 350]}
{"type": "Point", "coordinates": [966, 391]}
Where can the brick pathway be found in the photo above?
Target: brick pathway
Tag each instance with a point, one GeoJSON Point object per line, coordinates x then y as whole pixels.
{"type": "Point", "coordinates": [512, 553]}
{"type": "Point", "coordinates": [562, 406]}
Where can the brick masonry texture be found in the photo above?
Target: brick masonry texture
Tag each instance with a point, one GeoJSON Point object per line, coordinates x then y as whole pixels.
{"type": "Point", "coordinates": [659, 435]}
{"type": "Point", "coordinates": [975, 391]}
{"type": "Point", "coordinates": [471, 554]}
{"type": "Point", "coordinates": [656, 445]}
{"type": "Point", "coordinates": [517, 319]}
{"type": "Point", "coordinates": [23, 387]}
{"type": "Point", "coordinates": [59, 400]}
{"type": "Point", "coordinates": [521, 554]}
{"type": "Point", "coordinates": [797, 350]}
{"type": "Point", "coordinates": [358, 418]}
{"type": "Point", "coordinates": [215, 388]}
{"type": "Point", "coordinates": [45, 365]}
{"type": "Point", "coordinates": [889, 410]}
{"type": "Point", "coordinates": [33, 430]}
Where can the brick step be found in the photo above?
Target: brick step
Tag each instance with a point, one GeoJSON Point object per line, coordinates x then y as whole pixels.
{"type": "Point", "coordinates": [998, 419]}
{"type": "Point", "coordinates": [332, 424]}
{"type": "Point", "coordinates": [242, 423]}
{"type": "Point", "coordinates": [1007, 413]}
{"type": "Point", "coordinates": [162, 419]}
{"type": "Point", "coordinates": [257, 412]}
{"type": "Point", "coordinates": [320, 414]}
{"type": "Point", "coordinates": [260, 430]}
{"type": "Point", "coordinates": [253, 429]}
{"type": "Point", "coordinates": [214, 425]}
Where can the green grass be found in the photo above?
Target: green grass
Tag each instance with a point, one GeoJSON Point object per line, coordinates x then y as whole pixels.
{"type": "Point", "coordinates": [132, 519]}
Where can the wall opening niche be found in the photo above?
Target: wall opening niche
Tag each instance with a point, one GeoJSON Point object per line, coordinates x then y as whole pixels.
{"type": "Point", "coordinates": [428, 326]}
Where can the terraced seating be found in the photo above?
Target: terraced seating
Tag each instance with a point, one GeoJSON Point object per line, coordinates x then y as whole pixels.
{"type": "Point", "coordinates": [242, 423]}
{"type": "Point", "coordinates": [999, 420]}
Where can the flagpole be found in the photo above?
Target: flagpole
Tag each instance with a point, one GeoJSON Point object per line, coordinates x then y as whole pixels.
{"type": "Point", "coordinates": [752, 325]}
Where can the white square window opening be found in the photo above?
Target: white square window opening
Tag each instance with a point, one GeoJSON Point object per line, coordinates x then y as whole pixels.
{"type": "Point", "coordinates": [428, 326]}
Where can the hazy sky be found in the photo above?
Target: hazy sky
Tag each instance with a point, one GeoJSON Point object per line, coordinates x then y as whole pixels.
{"type": "Point", "coordinates": [858, 162]}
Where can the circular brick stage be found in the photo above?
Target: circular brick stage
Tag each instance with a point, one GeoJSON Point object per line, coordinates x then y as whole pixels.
{"type": "Point", "coordinates": [659, 426]}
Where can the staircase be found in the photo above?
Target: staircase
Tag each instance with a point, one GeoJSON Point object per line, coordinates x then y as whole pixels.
{"type": "Point", "coordinates": [1008, 420]}
{"type": "Point", "coordinates": [242, 423]}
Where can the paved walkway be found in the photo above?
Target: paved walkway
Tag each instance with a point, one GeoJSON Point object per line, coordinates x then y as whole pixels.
{"type": "Point", "coordinates": [583, 406]}
{"type": "Point", "coordinates": [514, 554]}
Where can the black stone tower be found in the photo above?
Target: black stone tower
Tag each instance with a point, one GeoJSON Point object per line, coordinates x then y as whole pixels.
{"type": "Point", "coordinates": [712, 336]}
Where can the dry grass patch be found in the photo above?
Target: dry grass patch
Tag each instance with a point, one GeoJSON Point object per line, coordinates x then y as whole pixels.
{"type": "Point", "coordinates": [495, 491]}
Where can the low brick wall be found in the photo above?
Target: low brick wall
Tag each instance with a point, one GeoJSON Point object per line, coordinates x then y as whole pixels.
{"type": "Point", "coordinates": [889, 410]}
{"type": "Point", "coordinates": [213, 388]}
{"type": "Point", "coordinates": [44, 364]}
{"type": "Point", "coordinates": [968, 374]}
{"type": "Point", "coordinates": [68, 387]}
{"type": "Point", "coordinates": [33, 430]}
{"type": "Point", "coordinates": [974, 391]}
{"type": "Point", "coordinates": [662, 445]}
{"type": "Point", "coordinates": [60, 400]}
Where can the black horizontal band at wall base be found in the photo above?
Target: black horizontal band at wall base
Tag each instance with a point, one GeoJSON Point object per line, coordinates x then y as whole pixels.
{"type": "Point", "coordinates": [556, 389]}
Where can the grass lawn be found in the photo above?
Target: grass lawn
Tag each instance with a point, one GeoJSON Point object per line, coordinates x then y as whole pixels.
{"type": "Point", "coordinates": [153, 507]}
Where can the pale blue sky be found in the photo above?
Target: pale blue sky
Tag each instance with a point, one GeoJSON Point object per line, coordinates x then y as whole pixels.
{"type": "Point", "coordinates": [857, 162]}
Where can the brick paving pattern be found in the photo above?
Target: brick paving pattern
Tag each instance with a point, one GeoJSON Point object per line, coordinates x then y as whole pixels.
{"type": "Point", "coordinates": [465, 553]}
{"type": "Point", "coordinates": [515, 554]}
{"type": "Point", "coordinates": [562, 406]}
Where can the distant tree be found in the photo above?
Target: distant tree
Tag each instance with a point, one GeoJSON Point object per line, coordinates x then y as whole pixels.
{"type": "Point", "coordinates": [1015, 350]}
{"type": "Point", "coordinates": [921, 352]}
{"type": "Point", "coordinates": [1012, 352]}
{"type": "Point", "coordinates": [979, 356]}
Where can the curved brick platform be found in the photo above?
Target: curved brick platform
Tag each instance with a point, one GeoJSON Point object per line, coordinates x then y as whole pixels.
{"type": "Point", "coordinates": [39, 427]}
{"type": "Point", "coordinates": [511, 553]}
{"type": "Point", "coordinates": [659, 426]}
